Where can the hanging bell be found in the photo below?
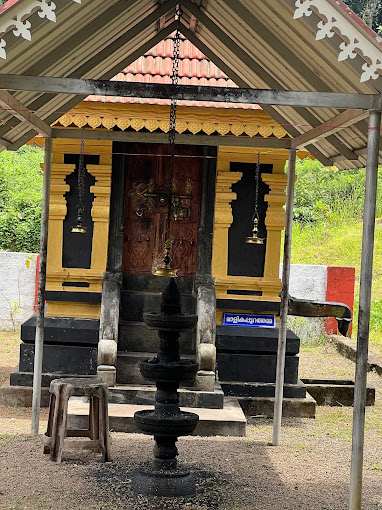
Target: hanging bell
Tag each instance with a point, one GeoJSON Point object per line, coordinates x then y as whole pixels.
{"type": "Point", "coordinates": [254, 239]}
{"type": "Point", "coordinates": [164, 269]}
{"type": "Point", "coordinates": [79, 228]}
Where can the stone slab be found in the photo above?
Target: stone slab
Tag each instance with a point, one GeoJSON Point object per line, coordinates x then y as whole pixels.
{"type": "Point", "coordinates": [229, 421]}
{"type": "Point", "coordinates": [348, 349]}
{"type": "Point", "coordinates": [335, 393]}
{"type": "Point", "coordinates": [255, 340]}
{"type": "Point", "coordinates": [291, 408]}
{"type": "Point", "coordinates": [24, 379]}
{"type": "Point", "coordinates": [145, 395]}
{"type": "Point", "coordinates": [136, 336]}
{"type": "Point", "coordinates": [21, 396]}
{"type": "Point", "coordinates": [255, 367]}
{"type": "Point", "coordinates": [60, 359]}
{"type": "Point", "coordinates": [251, 389]}
{"type": "Point", "coordinates": [134, 304]}
{"type": "Point", "coordinates": [128, 367]}
{"type": "Point", "coordinates": [63, 330]}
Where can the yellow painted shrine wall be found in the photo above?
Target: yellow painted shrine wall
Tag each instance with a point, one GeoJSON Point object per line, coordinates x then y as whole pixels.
{"type": "Point", "coordinates": [56, 274]}
{"type": "Point", "coordinates": [103, 116]}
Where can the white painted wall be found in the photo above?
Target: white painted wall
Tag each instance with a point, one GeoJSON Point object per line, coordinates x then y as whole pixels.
{"type": "Point", "coordinates": [307, 281]}
{"type": "Point", "coordinates": [17, 287]}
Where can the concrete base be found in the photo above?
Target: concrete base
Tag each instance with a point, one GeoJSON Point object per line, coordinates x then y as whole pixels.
{"type": "Point", "coordinates": [229, 421]}
{"type": "Point", "coordinates": [21, 396]}
{"type": "Point", "coordinates": [292, 407]}
{"type": "Point", "coordinates": [330, 392]}
{"type": "Point", "coordinates": [256, 389]}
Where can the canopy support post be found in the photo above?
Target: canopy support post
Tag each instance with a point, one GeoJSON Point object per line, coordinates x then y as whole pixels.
{"type": "Point", "coordinates": [39, 336]}
{"type": "Point", "coordinates": [364, 311]}
{"type": "Point", "coordinates": [281, 348]}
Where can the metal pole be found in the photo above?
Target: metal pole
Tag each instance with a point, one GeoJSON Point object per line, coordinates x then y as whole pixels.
{"type": "Point", "coordinates": [364, 311]}
{"type": "Point", "coordinates": [281, 348]}
{"type": "Point", "coordinates": [39, 337]}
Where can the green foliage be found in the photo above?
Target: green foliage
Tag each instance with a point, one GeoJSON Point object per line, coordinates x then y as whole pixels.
{"type": "Point", "coordinates": [20, 199]}
{"type": "Point", "coordinates": [368, 10]}
{"type": "Point", "coordinates": [328, 194]}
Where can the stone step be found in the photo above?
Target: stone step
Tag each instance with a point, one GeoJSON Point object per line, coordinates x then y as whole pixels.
{"type": "Point", "coordinates": [335, 392]}
{"type": "Point", "coordinates": [134, 304]}
{"type": "Point", "coordinates": [151, 283]}
{"type": "Point", "coordinates": [145, 395]}
{"type": "Point", "coordinates": [128, 366]}
{"type": "Point", "coordinates": [257, 389]}
{"type": "Point", "coordinates": [138, 337]}
{"type": "Point", "coordinates": [229, 421]}
{"type": "Point", "coordinates": [291, 407]}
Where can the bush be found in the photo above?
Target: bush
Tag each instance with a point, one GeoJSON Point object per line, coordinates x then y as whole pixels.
{"type": "Point", "coordinates": [20, 199]}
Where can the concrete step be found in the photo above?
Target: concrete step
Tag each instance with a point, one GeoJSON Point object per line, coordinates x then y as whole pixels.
{"type": "Point", "coordinates": [292, 407]}
{"type": "Point", "coordinates": [335, 392]}
{"type": "Point", "coordinates": [145, 395]}
{"type": "Point", "coordinates": [136, 336]}
{"type": "Point", "coordinates": [128, 366]}
{"type": "Point", "coordinates": [229, 421]}
{"type": "Point", "coordinates": [256, 389]}
{"type": "Point", "coordinates": [134, 304]}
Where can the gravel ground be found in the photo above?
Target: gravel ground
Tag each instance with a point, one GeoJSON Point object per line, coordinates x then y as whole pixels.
{"type": "Point", "coordinates": [309, 471]}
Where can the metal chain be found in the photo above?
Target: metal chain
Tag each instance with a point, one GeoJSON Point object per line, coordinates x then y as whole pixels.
{"type": "Point", "coordinates": [173, 106]}
{"type": "Point", "coordinates": [81, 179]}
{"type": "Point", "coordinates": [257, 181]}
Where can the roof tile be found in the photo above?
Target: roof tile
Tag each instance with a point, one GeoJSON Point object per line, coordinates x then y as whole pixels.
{"type": "Point", "coordinates": [156, 67]}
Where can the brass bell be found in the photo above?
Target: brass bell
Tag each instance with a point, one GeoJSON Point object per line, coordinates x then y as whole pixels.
{"type": "Point", "coordinates": [254, 239]}
{"type": "Point", "coordinates": [164, 269]}
{"type": "Point", "coordinates": [79, 228]}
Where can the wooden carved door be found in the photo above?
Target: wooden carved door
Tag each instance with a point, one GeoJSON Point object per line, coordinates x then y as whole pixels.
{"type": "Point", "coordinates": [147, 202]}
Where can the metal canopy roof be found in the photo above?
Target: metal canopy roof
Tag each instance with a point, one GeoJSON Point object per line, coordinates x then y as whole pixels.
{"type": "Point", "coordinates": [303, 45]}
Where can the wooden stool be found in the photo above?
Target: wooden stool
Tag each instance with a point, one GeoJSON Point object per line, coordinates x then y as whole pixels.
{"type": "Point", "coordinates": [98, 432]}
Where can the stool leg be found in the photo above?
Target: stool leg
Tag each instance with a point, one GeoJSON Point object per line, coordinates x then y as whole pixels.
{"type": "Point", "coordinates": [59, 429]}
{"type": "Point", "coordinates": [48, 433]}
{"type": "Point", "coordinates": [94, 418]}
{"type": "Point", "coordinates": [104, 427]}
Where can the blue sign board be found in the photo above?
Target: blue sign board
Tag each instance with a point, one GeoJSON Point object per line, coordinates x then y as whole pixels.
{"type": "Point", "coordinates": [249, 320]}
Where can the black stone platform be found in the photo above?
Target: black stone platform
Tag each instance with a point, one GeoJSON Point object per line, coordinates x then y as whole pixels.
{"type": "Point", "coordinates": [58, 361]}
{"type": "Point", "coordinates": [70, 349]}
{"type": "Point", "coordinates": [63, 330]}
{"type": "Point", "coordinates": [247, 359]}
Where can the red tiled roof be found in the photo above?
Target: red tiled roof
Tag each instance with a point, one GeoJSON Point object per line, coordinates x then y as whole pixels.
{"type": "Point", "coordinates": [156, 67]}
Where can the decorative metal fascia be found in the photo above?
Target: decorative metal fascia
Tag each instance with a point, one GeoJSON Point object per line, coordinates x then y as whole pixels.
{"type": "Point", "coordinates": [20, 24]}
{"type": "Point", "coordinates": [192, 126]}
{"type": "Point", "coordinates": [355, 42]}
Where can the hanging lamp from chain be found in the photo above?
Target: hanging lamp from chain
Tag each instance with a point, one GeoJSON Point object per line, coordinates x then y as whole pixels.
{"type": "Point", "coordinates": [254, 238]}
{"type": "Point", "coordinates": [79, 228]}
{"type": "Point", "coordinates": [164, 268]}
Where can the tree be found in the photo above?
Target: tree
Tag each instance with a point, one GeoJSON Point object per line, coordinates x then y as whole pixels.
{"type": "Point", "coordinates": [20, 199]}
{"type": "Point", "coordinates": [370, 11]}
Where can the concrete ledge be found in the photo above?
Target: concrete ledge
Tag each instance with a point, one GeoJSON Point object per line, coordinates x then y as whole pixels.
{"type": "Point", "coordinates": [348, 349]}
{"type": "Point", "coordinates": [21, 396]}
{"type": "Point", "coordinates": [331, 392]}
{"type": "Point", "coordinates": [292, 407]}
{"type": "Point", "coordinates": [229, 421]}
